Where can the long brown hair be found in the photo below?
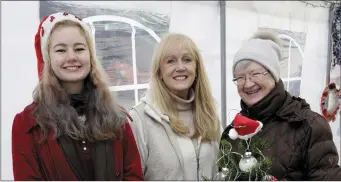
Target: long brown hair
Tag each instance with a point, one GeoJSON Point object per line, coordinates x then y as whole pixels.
{"type": "Point", "coordinates": [53, 110]}
{"type": "Point", "coordinates": [207, 122]}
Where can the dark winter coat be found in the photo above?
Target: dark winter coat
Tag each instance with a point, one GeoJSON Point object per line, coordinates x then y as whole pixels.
{"type": "Point", "coordinates": [52, 161]}
{"type": "Point", "coordinates": [301, 141]}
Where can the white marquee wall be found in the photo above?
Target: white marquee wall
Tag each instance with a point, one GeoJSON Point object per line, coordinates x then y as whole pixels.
{"type": "Point", "coordinates": [201, 22]}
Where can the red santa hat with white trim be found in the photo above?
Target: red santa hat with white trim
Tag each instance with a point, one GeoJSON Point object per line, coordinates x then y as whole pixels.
{"type": "Point", "coordinates": [44, 32]}
{"type": "Point", "coordinates": [244, 128]}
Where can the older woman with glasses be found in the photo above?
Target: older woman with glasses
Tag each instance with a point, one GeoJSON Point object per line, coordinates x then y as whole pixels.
{"type": "Point", "coordinates": [300, 140]}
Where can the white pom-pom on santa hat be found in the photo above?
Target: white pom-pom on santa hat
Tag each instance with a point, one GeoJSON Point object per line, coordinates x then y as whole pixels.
{"type": "Point", "coordinates": [245, 127]}
{"type": "Point", "coordinates": [233, 134]}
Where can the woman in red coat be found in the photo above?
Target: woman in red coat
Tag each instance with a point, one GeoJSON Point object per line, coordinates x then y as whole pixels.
{"type": "Point", "coordinates": [73, 130]}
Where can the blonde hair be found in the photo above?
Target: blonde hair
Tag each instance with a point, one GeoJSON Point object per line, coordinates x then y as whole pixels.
{"type": "Point", "coordinates": [52, 104]}
{"type": "Point", "coordinates": [207, 122]}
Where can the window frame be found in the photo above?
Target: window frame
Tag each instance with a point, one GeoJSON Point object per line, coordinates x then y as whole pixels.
{"type": "Point", "coordinates": [135, 86]}
{"type": "Point", "coordinates": [292, 41]}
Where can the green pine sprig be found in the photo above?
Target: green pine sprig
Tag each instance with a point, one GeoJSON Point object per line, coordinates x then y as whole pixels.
{"type": "Point", "coordinates": [229, 158]}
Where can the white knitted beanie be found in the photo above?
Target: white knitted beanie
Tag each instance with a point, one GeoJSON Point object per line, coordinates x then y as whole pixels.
{"type": "Point", "coordinates": [264, 49]}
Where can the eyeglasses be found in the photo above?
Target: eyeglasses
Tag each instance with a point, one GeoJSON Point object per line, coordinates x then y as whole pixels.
{"type": "Point", "coordinates": [254, 77]}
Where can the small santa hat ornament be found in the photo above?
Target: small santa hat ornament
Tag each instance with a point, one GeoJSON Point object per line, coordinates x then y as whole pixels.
{"type": "Point", "coordinates": [44, 32]}
{"type": "Point", "coordinates": [244, 128]}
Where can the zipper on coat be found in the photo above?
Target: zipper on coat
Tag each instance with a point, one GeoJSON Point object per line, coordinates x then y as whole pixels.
{"type": "Point", "coordinates": [198, 167]}
{"type": "Point", "coordinates": [198, 157]}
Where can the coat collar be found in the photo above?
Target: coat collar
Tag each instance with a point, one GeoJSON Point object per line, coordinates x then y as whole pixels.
{"type": "Point", "coordinates": [266, 107]}
{"type": "Point", "coordinates": [163, 119]}
{"type": "Point", "coordinates": [32, 123]}
{"type": "Point", "coordinates": [152, 111]}
{"type": "Point", "coordinates": [277, 104]}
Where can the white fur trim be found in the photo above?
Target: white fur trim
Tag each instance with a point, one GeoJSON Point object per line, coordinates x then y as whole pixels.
{"type": "Point", "coordinates": [48, 26]}
{"type": "Point", "coordinates": [233, 134]}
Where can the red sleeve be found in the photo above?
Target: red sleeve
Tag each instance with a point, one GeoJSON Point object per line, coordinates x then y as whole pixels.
{"type": "Point", "coordinates": [25, 165]}
{"type": "Point", "coordinates": [132, 163]}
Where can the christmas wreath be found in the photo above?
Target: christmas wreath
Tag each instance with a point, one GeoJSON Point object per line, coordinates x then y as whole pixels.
{"type": "Point", "coordinates": [246, 161]}
{"type": "Point", "coordinates": [330, 115]}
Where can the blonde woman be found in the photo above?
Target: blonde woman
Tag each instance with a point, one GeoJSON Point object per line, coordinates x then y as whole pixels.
{"type": "Point", "coordinates": [73, 130]}
{"type": "Point", "coordinates": [176, 124]}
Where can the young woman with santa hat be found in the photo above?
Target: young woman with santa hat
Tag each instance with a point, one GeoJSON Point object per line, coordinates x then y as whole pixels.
{"type": "Point", "coordinates": [73, 130]}
{"type": "Point", "coordinates": [300, 140]}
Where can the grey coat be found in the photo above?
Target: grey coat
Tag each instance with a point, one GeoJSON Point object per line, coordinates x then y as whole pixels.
{"type": "Point", "coordinates": [166, 155]}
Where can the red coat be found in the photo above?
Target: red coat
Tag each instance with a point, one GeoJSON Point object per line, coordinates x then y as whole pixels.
{"type": "Point", "coordinates": [53, 164]}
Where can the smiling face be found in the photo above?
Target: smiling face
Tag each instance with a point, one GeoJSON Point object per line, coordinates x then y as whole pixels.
{"type": "Point", "coordinates": [260, 85]}
{"type": "Point", "coordinates": [178, 69]}
{"type": "Point", "coordinates": [69, 54]}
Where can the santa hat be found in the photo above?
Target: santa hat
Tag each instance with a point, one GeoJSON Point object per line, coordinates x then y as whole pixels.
{"type": "Point", "coordinates": [244, 128]}
{"type": "Point", "coordinates": [44, 32]}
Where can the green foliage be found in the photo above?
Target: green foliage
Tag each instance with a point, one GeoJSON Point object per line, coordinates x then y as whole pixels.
{"type": "Point", "coordinates": [229, 158]}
